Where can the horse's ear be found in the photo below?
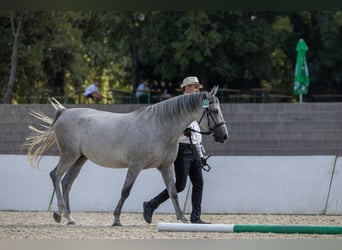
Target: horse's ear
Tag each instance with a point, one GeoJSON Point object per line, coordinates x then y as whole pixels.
{"type": "Point", "coordinates": [214, 90]}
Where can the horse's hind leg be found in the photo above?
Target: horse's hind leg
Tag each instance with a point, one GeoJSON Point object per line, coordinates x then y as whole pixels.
{"type": "Point", "coordinates": [56, 176]}
{"type": "Point", "coordinates": [67, 182]}
{"type": "Point", "coordinates": [126, 189]}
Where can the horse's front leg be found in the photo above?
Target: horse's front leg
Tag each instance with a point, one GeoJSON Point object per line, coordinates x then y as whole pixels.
{"type": "Point", "coordinates": [168, 177]}
{"type": "Point", "coordinates": [126, 189]}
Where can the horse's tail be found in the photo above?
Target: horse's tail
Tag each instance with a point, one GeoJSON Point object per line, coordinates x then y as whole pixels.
{"type": "Point", "coordinates": [41, 140]}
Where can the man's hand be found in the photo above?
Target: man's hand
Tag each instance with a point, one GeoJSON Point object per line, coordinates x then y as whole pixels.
{"type": "Point", "coordinates": [205, 165]}
{"type": "Point", "coordinates": [187, 132]}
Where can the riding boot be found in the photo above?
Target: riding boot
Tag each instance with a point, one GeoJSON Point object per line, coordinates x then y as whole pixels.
{"type": "Point", "coordinates": [153, 204]}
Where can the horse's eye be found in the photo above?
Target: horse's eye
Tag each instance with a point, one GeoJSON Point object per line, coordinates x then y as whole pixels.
{"type": "Point", "coordinates": [215, 111]}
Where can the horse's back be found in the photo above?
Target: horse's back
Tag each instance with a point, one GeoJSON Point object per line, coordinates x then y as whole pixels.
{"type": "Point", "coordinates": [88, 116]}
{"type": "Point", "coordinates": [103, 137]}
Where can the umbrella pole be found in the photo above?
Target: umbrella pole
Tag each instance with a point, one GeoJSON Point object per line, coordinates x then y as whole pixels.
{"type": "Point", "coordinates": [300, 98]}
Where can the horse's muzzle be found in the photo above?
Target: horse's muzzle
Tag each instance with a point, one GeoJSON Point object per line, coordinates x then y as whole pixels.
{"type": "Point", "coordinates": [221, 134]}
{"type": "Point", "coordinates": [221, 140]}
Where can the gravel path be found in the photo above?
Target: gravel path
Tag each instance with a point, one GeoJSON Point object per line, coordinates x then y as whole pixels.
{"type": "Point", "coordinates": [40, 225]}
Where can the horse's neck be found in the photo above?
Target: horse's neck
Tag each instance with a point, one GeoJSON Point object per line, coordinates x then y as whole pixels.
{"type": "Point", "coordinates": [172, 116]}
{"type": "Point", "coordinates": [182, 120]}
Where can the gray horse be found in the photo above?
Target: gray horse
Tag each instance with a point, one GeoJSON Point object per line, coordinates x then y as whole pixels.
{"type": "Point", "coordinates": [142, 139]}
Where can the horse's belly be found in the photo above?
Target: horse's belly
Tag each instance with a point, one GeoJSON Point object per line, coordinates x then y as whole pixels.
{"type": "Point", "coordinates": [111, 164]}
{"type": "Point", "coordinates": [108, 161]}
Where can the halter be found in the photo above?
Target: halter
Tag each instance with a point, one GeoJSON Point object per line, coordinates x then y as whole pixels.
{"type": "Point", "coordinates": [208, 112]}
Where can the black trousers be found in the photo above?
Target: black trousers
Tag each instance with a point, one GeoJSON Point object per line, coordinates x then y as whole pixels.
{"type": "Point", "coordinates": [185, 165]}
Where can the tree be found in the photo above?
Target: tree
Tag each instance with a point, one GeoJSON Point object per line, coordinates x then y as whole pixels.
{"type": "Point", "coordinates": [65, 50]}
{"type": "Point", "coordinates": [16, 26]}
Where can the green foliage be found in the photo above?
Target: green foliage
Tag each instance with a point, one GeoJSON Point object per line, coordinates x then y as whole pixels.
{"type": "Point", "coordinates": [66, 50]}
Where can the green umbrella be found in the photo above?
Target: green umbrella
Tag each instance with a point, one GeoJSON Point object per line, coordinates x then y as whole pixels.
{"type": "Point", "coordinates": [301, 83]}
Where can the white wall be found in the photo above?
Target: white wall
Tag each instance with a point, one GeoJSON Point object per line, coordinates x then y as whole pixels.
{"type": "Point", "coordinates": [334, 205]}
{"type": "Point", "coordinates": [95, 189]}
{"type": "Point", "coordinates": [243, 184]}
{"type": "Point", "coordinates": [268, 184]}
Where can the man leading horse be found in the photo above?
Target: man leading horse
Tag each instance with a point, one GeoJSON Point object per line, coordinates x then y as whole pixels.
{"type": "Point", "coordinates": [188, 162]}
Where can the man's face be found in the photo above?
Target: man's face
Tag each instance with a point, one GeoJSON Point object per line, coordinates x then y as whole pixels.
{"type": "Point", "coordinates": [191, 88]}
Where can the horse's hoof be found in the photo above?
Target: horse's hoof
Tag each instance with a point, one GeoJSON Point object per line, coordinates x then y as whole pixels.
{"type": "Point", "coordinates": [71, 223]}
{"type": "Point", "coordinates": [57, 217]}
{"type": "Point", "coordinates": [117, 224]}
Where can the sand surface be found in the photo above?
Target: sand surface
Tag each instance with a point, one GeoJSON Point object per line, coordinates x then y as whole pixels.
{"type": "Point", "coordinates": [40, 225]}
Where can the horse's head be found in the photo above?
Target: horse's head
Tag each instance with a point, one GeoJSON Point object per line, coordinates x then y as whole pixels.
{"type": "Point", "coordinates": [213, 118]}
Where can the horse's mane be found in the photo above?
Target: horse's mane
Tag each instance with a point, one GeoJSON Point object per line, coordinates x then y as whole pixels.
{"type": "Point", "coordinates": [175, 107]}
